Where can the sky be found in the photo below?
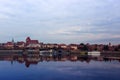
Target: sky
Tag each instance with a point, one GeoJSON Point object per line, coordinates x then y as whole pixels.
{"type": "Point", "coordinates": [60, 21]}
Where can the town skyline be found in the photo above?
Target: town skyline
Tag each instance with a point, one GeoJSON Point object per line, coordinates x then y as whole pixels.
{"type": "Point", "coordinates": [61, 21]}
{"type": "Point", "coordinates": [24, 40]}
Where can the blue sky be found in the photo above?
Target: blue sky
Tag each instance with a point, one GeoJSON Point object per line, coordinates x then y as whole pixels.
{"type": "Point", "coordinates": [60, 21]}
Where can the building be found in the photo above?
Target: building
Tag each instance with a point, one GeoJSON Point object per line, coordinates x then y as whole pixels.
{"type": "Point", "coordinates": [9, 45]}
{"type": "Point", "coordinates": [94, 53]}
{"type": "Point", "coordinates": [51, 45]}
{"type": "Point", "coordinates": [63, 46]}
{"type": "Point", "coordinates": [73, 46]}
{"type": "Point", "coordinates": [32, 43]}
{"type": "Point", "coordinates": [20, 44]}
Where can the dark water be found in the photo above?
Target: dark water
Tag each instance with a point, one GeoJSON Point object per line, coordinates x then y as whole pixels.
{"type": "Point", "coordinates": [14, 67]}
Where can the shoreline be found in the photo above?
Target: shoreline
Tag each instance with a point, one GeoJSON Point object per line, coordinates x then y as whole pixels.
{"type": "Point", "coordinates": [72, 51]}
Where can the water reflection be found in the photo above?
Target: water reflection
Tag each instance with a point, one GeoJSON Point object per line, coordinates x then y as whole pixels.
{"type": "Point", "coordinates": [35, 58]}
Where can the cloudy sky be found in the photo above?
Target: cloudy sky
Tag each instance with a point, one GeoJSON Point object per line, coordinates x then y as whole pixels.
{"type": "Point", "coordinates": [60, 21]}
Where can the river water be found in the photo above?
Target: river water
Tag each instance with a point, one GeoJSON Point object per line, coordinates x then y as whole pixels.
{"type": "Point", "coordinates": [14, 67]}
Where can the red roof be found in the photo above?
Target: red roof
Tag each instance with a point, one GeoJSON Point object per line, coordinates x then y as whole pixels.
{"type": "Point", "coordinates": [9, 43]}
{"type": "Point", "coordinates": [73, 45]}
{"type": "Point", "coordinates": [20, 43]}
{"type": "Point", "coordinates": [62, 45]}
{"type": "Point", "coordinates": [29, 41]}
{"type": "Point", "coordinates": [34, 42]}
{"type": "Point", "coordinates": [28, 38]}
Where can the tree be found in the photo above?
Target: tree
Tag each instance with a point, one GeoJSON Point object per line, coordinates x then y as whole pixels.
{"type": "Point", "coordinates": [106, 47]}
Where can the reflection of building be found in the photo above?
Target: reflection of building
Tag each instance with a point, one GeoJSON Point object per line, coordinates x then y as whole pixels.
{"type": "Point", "coordinates": [73, 58]}
{"type": "Point", "coordinates": [35, 58]}
{"type": "Point", "coordinates": [31, 60]}
{"type": "Point", "coordinates": [32, 43]}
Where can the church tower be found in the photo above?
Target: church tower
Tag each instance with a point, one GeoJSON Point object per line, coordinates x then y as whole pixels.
{"type": "Point", "coordinates": [28, 40]}
{"type": "Point", "coordinates": [13, 40]}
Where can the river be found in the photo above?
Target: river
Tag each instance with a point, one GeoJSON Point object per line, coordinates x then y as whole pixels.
{"type": "Point", "coordinates": [34, 67]}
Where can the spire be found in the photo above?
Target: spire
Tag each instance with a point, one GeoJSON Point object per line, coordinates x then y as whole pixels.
{"type": "Point", "coordinates": [12, 40]}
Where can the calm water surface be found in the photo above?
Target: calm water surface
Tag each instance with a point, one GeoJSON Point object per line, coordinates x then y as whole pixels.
{"type": "Point", "coordinates": [58, 70]}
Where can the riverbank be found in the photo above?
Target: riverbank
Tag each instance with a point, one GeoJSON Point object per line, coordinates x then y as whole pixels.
{"type": "Point", "coordinates": [62, 52]}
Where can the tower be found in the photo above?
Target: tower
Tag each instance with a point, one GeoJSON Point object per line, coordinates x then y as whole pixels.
{"type": "Point", "coordinates": [13, 40]}
{"type": "Point", "coordinates": [109, 44]}
{"type": "Point", "coordinates": [28, 39]}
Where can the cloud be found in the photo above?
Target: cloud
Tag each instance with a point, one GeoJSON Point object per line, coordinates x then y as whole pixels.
{"type": "Point", "coordinates": [60, 21]}
{"type": "Point", "coordinates": [66, 31]}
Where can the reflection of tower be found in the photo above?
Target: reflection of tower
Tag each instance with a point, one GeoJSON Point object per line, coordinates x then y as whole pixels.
{"type": "Point", "coordinates": [27, 64]}
{"type": "Point", "coordinates": [11, 62]}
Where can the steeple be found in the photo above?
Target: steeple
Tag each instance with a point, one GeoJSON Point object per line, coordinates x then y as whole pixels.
{"type": "Point", "coordinates": [12, 40]}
